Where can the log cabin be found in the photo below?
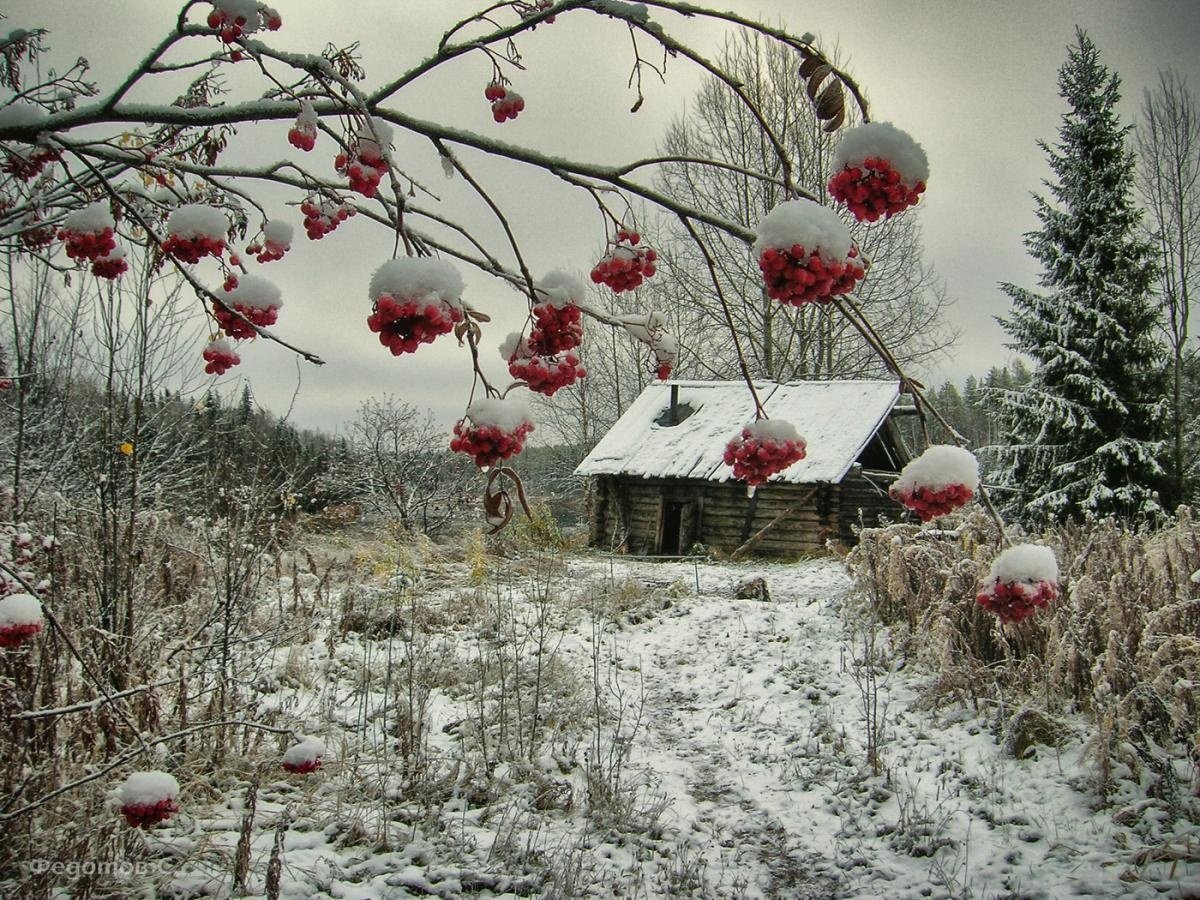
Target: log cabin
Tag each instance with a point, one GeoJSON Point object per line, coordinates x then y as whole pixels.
{"type": "Point", "coordinates": [658, 484]}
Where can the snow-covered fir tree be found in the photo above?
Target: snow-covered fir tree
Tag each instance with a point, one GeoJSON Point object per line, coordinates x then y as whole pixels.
{"type": "Point", "coordinates": [1084, 435]}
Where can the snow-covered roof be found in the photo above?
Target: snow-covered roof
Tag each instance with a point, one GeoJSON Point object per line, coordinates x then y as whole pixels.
{"type": "Point", "coordinates": [836, 418]}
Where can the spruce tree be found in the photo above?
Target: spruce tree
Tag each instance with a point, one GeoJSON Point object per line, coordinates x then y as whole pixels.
{"type": "Point", "coordinates": [1085, 434]}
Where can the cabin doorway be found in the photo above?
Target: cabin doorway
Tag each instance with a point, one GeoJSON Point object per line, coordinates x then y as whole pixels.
{"type": "Point", "coordinates": [674, 527]}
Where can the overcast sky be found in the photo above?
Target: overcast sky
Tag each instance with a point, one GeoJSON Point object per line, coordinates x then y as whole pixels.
{"type": "Point", "coordinates": [974, 82]}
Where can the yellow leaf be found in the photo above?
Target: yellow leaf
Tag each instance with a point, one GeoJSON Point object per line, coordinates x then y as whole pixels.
{"type": "Point", "coordinates": [126, 448]}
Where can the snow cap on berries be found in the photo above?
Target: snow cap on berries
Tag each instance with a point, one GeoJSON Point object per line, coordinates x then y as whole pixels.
{"type": "Point", "coordinates": [514, 346]}
{"type": "Point", "coordinates": [304, 756]}
{"type": "Point", "coordinates": [277, 231]}
{"type": "Point", "coordinates": [418, 277]}
{"type": "Point", "coordinates": [507, 413]}
{"type": "Point", "coordinates": [775, 430]}
{"type": "Point", "coordinates": [247, 11]}
{"type": "Point", "coordinates": [882, 139]}
{"type": "Point", "coordinates": [941, 465]}
{"type": "Point", "coordinates": [194, 220]}
{"type": "Point", "coordinates": [1024, 563]}
{"type": "Point", "coordinates": [253, 292]}
{"type": "Point", "coordinates": [20, 618]}
{"type": "Point", "coordinates": [148, 788]}
{"type": "Point", "coordinates": [307, 117]}
{"type": "Point", "coordinates": [95, 217]}
{"type": "Point", "coordinates": [375, 140]}
{"type": "Point", "coordinates": [560, 289]}
{"type": "Point", "coordinates": [804, 222]}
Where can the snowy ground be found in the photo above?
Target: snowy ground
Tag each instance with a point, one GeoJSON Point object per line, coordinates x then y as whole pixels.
{"type": "Point", "coordinates": [726, 745]}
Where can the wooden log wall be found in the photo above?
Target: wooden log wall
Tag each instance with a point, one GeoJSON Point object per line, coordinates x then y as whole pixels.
{"type": "Point", "coordinates": [627, 513]}
{"type": "Point", "coordinates": [865, 502]}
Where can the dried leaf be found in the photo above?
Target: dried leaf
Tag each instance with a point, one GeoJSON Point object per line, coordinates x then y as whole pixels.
{"type": "Point", "coordinates": [637, 105]}
{"type": "Point", "coordinates": [835, 123]}
{"type": "Point", "coordinates": [831, 103]}
{"type": "Point", "coordinates": [815, 80]}
{"type": "Point", "coordinates": [810, 65]}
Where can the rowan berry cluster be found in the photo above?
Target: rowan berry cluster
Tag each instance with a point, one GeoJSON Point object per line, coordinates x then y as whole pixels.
{"type": "Point", "coordinates": [237, 18]}
{"type": "Point", "coordinates": [111, 266]}
{"type": "Point", "coordinates": [545, 374]}
{"type": "Point", "coordinates": [254, 298]}
{"type": "Point", "coordinates": [1015, 601]}
{"type": "Point", "coordinates": [506, 104]}
{"type": "Point", "coordinates": [303, 135]}
{"type": "Point", "coordinates": [931, 502]}
{"type": "Point", "coordinates": [219, 357]}
{"type": "Point", "coordinates": [88, 245]}
{"type": "Point", "coordinates": [28, 166]}
{"type": "Point", "coordinates": [277, 240]}
{"type": "Point", "coordinates": [20, 619]}
{"type": "Point", "coordinates": [403, 325]}
{"type": "Point", "coordinates": [874, 190]}
{"type": "Point", "coordinates": [37, 236]}
{"type": "Point", "coordinates": [488, 444]}
{"type": "Point", "coordinates": [364, 165]}
{"type": "Point", "coordinates": [626, 265]}
{"type": "Point", "coordinates": [795, 276]}
{"type": "Point", "coordinates": [555, 329]}
{"type": "Point", "coordinates": [193, 249]}
{"type": "Point", "coordinates": [147, 815]}
{"type": "Point", "coordinates": [759, 452]}
{"type": "Point", "coordinates": [322, 216]}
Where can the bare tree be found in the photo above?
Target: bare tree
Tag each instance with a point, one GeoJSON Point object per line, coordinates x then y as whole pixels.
{"type": "Point", "coordinates": [902, 297]}
{"type": "Point", "coordinates": [403, 468]}
{"type": "Point", "coordinates": [1169, 178]}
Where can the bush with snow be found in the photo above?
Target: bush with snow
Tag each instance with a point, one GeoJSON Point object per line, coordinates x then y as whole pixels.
{"type": "Point", "coordinates": [148, 798]}
{"type": "Point", "coordinates": [764, 448]}
{"type": "Point", "coordinates": [20, 619]}
{"type": "Point", "coordinates": [879, 171]}
{"type": "Point", "coordinates": [1022, 580]}
{"type": "Point", "coordinates": [805, 253]}
{"type": "Point", "coordinates": [937, 482]}
{"type": "Point", "coordinates": [493, 429]}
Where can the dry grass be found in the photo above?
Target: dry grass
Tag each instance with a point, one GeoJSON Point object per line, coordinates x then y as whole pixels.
{"type": "Point", "coordinates": [1121, 643]}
